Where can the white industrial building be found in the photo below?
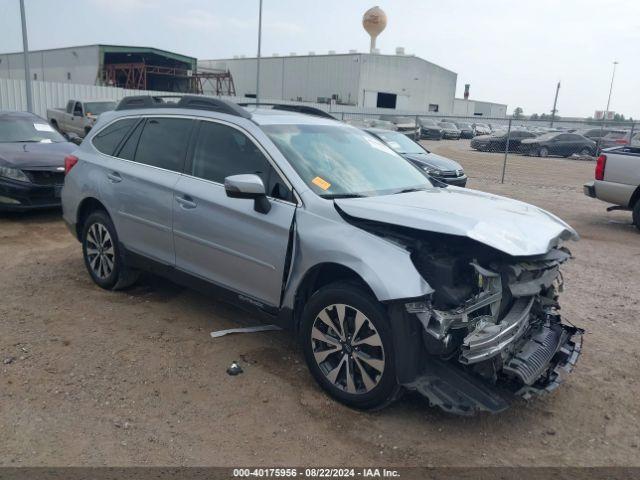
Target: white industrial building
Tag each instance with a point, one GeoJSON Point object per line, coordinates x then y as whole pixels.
{"type": "Point", "coordinates": [108, 65]}
{"type": "Point", "coordinates": [371, 81]}
{"type": "Point", "coordinates": [468, 108]}
{"type": "Point", "coordinates": [402, 82]}
{"type": "Point", "coordinates": [351, 82]}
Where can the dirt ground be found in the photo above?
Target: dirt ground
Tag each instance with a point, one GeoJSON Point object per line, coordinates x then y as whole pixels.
{"type": "Point", "coordinates": [132, 378]}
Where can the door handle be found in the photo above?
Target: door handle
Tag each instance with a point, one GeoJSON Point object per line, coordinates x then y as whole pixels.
{"type": "Point", "coordinates": [186, 201]}
{"type": "Point", "coordinates": [114, 177]}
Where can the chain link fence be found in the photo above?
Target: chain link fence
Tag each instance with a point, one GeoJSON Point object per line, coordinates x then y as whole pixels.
{"type": "Point", "coordinates": [568, 138]}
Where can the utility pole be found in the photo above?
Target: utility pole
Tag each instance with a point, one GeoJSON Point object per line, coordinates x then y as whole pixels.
{"type": "Point", "coordinates": [25, 51]}
{"type": "Point", "coordinates": [555, 102]}
{"type": "Point", "coordinates": [258, 57]}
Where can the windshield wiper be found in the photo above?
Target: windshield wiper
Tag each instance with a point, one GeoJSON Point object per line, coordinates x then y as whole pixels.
{"type": "Point", "coordinates": [344, 195]}
{"type": "Point", "coordinates": [409, 190]}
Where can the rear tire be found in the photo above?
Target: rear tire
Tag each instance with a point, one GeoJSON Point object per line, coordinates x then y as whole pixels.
{"type": "Point", "coordinates": [585, 151]}
{"type": "Point", "coordinates": [348, 346]}
{"type": "Point", "coordinates": [543, 152]}
{"type": "Point", "coordinates": [102, 256]}
{"type": "Point", "coordinates": [636, 214]}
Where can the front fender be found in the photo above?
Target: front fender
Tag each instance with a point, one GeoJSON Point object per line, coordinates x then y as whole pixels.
{"type": "Point", "coordinates": [385, 267]}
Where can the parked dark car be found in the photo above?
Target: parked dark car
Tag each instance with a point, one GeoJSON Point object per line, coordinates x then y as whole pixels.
{"type": "Point", "coordinates": [558, 143]}
{"type": "Point", "coordinates": [440, 168]}
{"type": "Point", "coordinates": [466, 130]}
{"type": "Point", "coordinates": [497, 141]}
{"type": "Point", "coordinates": [31, 162]}
{"type": "Point", "coordinates": [430, 129]}
{"type": "Point", "coordinates": [449, 130]}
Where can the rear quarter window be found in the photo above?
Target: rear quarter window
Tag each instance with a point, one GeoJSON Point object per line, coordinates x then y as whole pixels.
{"type": "Point", "coordinates": [107, 140]}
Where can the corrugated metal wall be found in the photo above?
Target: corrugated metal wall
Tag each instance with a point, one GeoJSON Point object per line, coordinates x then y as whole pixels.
{"type": "Point", "coordinates": [51, 94]}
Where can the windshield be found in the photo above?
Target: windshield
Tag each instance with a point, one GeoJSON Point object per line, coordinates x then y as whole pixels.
{"type": "Point", "coordinates": [448, 125]}
{"type": "Point", "coordinates": [464, 125]}
{"type": "Point", "coordinates": [27, 130]}
{"type": "Point", "coordinates": [427, 121]}
{"type": "Point", "coordinates": [96, 108]}
{"type": "Point", "coordinates": [341, 161]}
{"type": "Point", "coordinates": [399, 142]}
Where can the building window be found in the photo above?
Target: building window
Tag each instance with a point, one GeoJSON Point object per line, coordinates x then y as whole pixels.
{"type": "Point", "coordinates": [35, 76]}
{"type": "Point", "coordinates": [386, 100]}
{"type": "Point", "coordinates": [434, 107]}
{"type": "Point", "coordinates": [68, 75]}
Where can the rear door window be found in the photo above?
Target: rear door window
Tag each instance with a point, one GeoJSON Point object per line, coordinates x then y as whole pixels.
{"type": "Point", "coordinates": [108, 139]}
{"type": "Point", "coordinates": [163, 143]}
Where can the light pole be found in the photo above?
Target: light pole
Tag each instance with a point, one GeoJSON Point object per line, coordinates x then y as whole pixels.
{"type": "Point", "coordinates": [555, 104]}
{"type": "Point", "coordinates": [258, 57]}
{"type": "Point", "coordinates": [25, 51]}
{"type": "Point", "coordinates": [606, 111]}
{"type": "Point", "coordinates": [613, 75]}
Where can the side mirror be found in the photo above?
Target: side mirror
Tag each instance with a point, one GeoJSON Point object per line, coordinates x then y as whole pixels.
{"type": "Point", "coordinates": [73, 138]}
{"type": "Point", "coordinates": [248, 186]}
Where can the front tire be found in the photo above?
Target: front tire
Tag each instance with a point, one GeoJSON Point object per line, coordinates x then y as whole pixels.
{"type": "Point", "coordinates": [543, 152]}
{"type": "Point", "coordinates": [348, 347]}
{"type": "Point", "coordinates": [102, 256]}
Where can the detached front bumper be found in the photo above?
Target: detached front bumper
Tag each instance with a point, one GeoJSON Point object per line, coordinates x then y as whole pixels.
{"type": "Point", "coordinates": [538, 367]}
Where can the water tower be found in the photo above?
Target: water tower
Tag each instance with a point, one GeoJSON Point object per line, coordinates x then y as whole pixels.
{"type": "Point", "coordinates": [374, 21]}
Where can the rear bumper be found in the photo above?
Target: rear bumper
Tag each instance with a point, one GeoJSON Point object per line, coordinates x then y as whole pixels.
{"type": "Point", "coordinates": [21, 196]}
{"type": "Point", "coordinates": [589, 189]}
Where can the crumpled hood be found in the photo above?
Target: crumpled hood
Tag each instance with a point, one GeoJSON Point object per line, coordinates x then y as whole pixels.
{"type": "Point", "coordinates": [513, 227]}
{"type": "Point", "coordinates": [35, 154]}
{"type": "Point", "coordinates": [434, 160]}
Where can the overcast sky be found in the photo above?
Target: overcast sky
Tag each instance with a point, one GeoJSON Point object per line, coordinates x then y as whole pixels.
{"type": "Point", "coordinates": [511, 52]}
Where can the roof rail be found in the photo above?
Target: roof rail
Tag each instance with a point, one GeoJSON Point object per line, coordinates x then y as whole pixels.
{"type": "Point", "coordinates": [305, 109]}
{"type": "Point", "coordinates": [194, 102]}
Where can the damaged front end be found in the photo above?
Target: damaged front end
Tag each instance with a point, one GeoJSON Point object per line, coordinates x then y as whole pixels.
{"type": "Point", "coordinates": [490, 332]}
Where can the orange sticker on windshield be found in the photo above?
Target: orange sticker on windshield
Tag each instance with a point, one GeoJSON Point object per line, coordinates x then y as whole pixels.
{"type": "Point", "coordinates": [321, 182]}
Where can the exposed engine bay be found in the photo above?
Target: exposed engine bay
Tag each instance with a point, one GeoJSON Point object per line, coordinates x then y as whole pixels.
{"type": "Point", "coordinates": [491, 329]}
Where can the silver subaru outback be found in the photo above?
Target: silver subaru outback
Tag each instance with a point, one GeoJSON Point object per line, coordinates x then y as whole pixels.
{"type": "Point", "coordinates": [392, 282]}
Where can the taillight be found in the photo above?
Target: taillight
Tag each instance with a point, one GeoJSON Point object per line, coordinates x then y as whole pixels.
{"type": "Point", "coordinates": [621, 141]}
{"type": "Point", "coordinates": [600, 164]}
{"type": "Point", "coordinates": [69, 162]}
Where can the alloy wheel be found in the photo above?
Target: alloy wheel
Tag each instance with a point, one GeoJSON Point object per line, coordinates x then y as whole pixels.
{"type": "Point", "coordinates": [347, 348]}
{"type": "Point", "coordinates": [100, 251]}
